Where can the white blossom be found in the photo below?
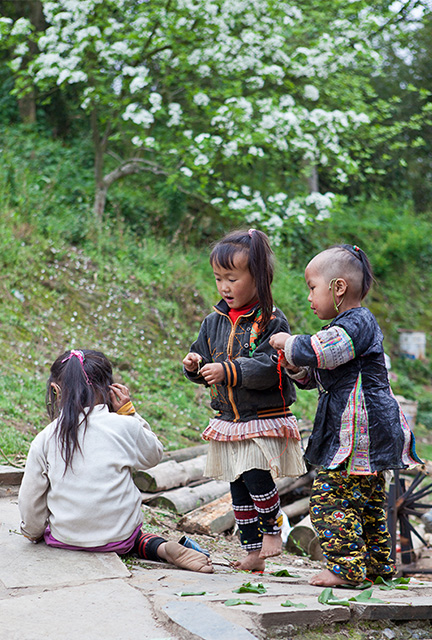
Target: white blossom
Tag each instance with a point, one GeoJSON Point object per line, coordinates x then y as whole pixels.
{"type": "Point", "coordinates": [310, 92]}
{"type": "Point", "coordinates": [201, 99]}
{"type": "Point", "coordinates": [186, 171]}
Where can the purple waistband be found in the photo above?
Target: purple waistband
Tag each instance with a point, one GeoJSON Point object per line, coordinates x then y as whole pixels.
{"type": "Point", "coordinates": [123, 546]}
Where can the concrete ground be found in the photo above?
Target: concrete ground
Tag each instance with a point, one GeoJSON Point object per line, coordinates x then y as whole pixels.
{"type": "Point", "coordinates": [49, 594]}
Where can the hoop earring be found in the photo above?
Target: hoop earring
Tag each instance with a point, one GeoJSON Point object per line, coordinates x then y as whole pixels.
{"type": "Point", "coordinates": [331, 287]}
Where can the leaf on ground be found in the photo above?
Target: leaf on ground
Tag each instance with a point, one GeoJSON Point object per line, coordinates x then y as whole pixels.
{"type": "Point", "coordinates": [234, 602]}
{"type": "Point", "coordinates": [250, 587]}
{"type": "Point", "coordinates": [327, 597]}
{"type": "Point", "coordinates": [191, 593]}
{"type": "Point", "coordinates": [392, 583]}
{"type": "Point", "coordinates": [284, 573]}
{"type": "Point", "coordinates": [288, 603]}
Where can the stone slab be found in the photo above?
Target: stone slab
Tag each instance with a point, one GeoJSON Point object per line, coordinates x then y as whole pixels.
{"type": "Point", "coordinates": [10, 475]}
{"type": "Point", "coordinates": [23, 564]}
{"type": "Point", "coordinates": [107, 610]}
{"type": "Point", "coordinates": [413, 608]}
{"type": "Point", "coordinates": [206, 624]}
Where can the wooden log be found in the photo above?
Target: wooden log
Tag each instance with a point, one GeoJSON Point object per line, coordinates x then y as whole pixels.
{"type": "Point", "coordinates": [215, 517]}
{"type": "Point", "coordinates": [180, 455]}
{"type": "Point", "coordinates": [186, 499]}
{"type": "Point", "coordinates": [285, 485]}
{"type": "Point", "coordinates": [303, 541]}
{"type": "Point", "coordinates": [297, 508]}
{"type": "Point", "coordinates": [170, 474]}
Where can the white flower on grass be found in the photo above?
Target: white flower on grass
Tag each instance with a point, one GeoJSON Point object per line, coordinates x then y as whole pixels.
{"type": "Point", "coordinates": [201, 99]}
{"type": "Point", "coordinates": [310, 92]}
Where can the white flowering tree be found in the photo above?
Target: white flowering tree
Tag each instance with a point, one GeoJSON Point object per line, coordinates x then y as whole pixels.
{"type": "Point", "coordinates": [239, 103]}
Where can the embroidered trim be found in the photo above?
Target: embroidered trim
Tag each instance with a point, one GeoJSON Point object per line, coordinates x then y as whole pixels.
{"type": "Point", "coordinates": [332, 348]}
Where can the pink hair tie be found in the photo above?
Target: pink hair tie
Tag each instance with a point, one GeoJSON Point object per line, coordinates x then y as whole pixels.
{"type": "Point", "coordinates": [250, 232]}
{"type": "Point", "coordinates": [80, 355]}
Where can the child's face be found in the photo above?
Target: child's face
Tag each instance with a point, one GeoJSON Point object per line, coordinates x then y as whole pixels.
{"type": "Point", "coordinates": [236, 286]}
{"type": "Point", "coordinates": [320, 295]}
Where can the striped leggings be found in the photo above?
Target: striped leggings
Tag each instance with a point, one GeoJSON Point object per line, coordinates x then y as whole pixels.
{"type": "Point", "coordinates": [256, 506]}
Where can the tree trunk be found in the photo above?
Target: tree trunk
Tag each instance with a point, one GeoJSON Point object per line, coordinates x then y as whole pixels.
{"type": "Point", "coordinates": [215, 517]}
{"type": "Point", "coordinates": [185, 499]}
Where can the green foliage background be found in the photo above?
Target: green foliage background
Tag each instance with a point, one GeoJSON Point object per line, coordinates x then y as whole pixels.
{"type": "Point", "coordinates": [139, 294]}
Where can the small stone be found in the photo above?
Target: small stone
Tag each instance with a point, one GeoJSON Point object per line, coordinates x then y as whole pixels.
{"type": "Point", "coordinates": [389, 634]}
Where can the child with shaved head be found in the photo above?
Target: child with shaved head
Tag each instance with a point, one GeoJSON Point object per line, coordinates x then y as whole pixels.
{"type": "Point", "coordinates": [359, 429]}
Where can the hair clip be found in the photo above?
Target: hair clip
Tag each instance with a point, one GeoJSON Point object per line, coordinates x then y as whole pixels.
{"type": "Point", "coordinates": [250, 232]}
{"type": "Point", "coordinates": [356, 248]}
{"type": "Point", "coordinates": [80, 355]}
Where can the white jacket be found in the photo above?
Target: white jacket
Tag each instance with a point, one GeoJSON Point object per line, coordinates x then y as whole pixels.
{"type": "Point", "coordinates": [96, 500]}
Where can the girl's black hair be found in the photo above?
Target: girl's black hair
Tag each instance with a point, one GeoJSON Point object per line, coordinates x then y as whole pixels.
{"type": "Point", "coordinates": [255, 244]}
{"type": "Point", "coordinates": [81, 385]}
{"type": "Point", "coordinates": [360, 256]}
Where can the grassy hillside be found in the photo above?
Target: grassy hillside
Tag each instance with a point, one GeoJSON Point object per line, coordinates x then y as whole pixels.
{"type": "Point", "coordinates": [140, 299]}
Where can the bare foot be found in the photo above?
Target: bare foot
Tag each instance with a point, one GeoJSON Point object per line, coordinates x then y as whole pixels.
{"type": "Point", "coordinates": [328, 579]}
{"type": "Point", "coordinates": [272, 546]}
{"type": "Point", "coordinates": [252, 562]}
{"type": "Point", "coordinates": [185, 558]}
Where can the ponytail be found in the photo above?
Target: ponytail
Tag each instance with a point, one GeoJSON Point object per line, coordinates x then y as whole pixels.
{"type": "Point", "coordinates": [360, 256]}
{"type": "Point", "coordinates": [78, 380]}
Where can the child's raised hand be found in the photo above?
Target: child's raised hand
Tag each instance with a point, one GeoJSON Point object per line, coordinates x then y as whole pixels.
{"type": "Point", "coordinates": [278, 340]}
{"type": "Point", "coordinates": [213, 372]}
{"type": "Point", "coordinates": [192, 361]}
{"type": "Point", "coordinates": [119, 395]}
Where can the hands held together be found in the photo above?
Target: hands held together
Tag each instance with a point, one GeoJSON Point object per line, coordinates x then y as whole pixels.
{"type": "Point", "coordinates": [212, 372]}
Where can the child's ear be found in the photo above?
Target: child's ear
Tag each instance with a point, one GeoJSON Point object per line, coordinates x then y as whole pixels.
{"type": "Point", "coordinates": [340, 286]}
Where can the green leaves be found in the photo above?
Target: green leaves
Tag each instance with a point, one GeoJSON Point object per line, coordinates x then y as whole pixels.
{"type": "Point", "coordinates": [250, 587]}
{"type": "Point", "coordinates": [327, 597]}
{"type": "Point", "coordinates": [395, 583]}
{"type": "Point", "coordinates": [234, 602]}
{"type": "Point", "coordinates": [284, 573]}
{"type": "Point", "coordinates": [288, 603]}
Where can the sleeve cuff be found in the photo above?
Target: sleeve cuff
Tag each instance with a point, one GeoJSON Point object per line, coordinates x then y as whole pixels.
{"type": "Point", "coordinates": [289, 349]}
{"type": "Point", "coordinates": [126, 410]}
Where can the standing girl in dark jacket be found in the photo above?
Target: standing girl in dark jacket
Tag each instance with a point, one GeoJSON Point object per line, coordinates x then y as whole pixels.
{"type": "Point", "coordinates": [359, 428]}
{"type": "Point", "coordinates": [254, 436]}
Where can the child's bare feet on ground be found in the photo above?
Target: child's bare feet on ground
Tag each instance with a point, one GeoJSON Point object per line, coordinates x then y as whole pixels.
{"type": "Point", "coordinates": [252, 562]}
{"type": "Point", "coordinates": [328, 579]}
{"type": "Point", "coordinates": [271, 546]}
{"type": "Point", "coordinates": [185, 558]}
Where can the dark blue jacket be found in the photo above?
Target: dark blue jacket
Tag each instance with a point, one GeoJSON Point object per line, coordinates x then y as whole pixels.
{"type": "Point", "coordinates": [359, 423]}
{"type": "Point", "coordinates": [251, 386]}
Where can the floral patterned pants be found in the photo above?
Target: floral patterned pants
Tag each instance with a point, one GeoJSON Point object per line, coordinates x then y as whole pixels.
{"type": "Point", "coordinates": [349, 515]}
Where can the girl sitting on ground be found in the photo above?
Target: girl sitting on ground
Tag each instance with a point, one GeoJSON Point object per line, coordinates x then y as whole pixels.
{"type": "Point", "coordinates": [77, 492]}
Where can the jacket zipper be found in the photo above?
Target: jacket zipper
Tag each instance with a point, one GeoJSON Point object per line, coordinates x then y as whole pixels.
{"type": "Point", "coordinates": [229, 354]}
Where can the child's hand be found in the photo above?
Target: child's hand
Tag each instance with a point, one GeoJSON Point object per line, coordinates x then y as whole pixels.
{"type": "Point", "coordinates": [192, 361]}
{"type": "Point", "coordinates": [213, 373]}
{"type": "Point", "coordinates": [278, 340]}
{"type": "Point", "coordinates": [119, 395]}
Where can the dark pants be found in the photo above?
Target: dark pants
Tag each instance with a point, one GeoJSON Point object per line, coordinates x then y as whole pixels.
{"type": "Point", "coordinates": [256, 506]}
{"type": "Point", "coordinates": [349, 515]}
{"type": "Point", "coordinates": [146, 546]}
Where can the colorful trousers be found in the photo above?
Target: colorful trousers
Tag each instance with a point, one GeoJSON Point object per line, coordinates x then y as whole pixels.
{"type": "Point", "coordinates": [349, 515]}
{"type": "Point", "coordinates": [256, 506]}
